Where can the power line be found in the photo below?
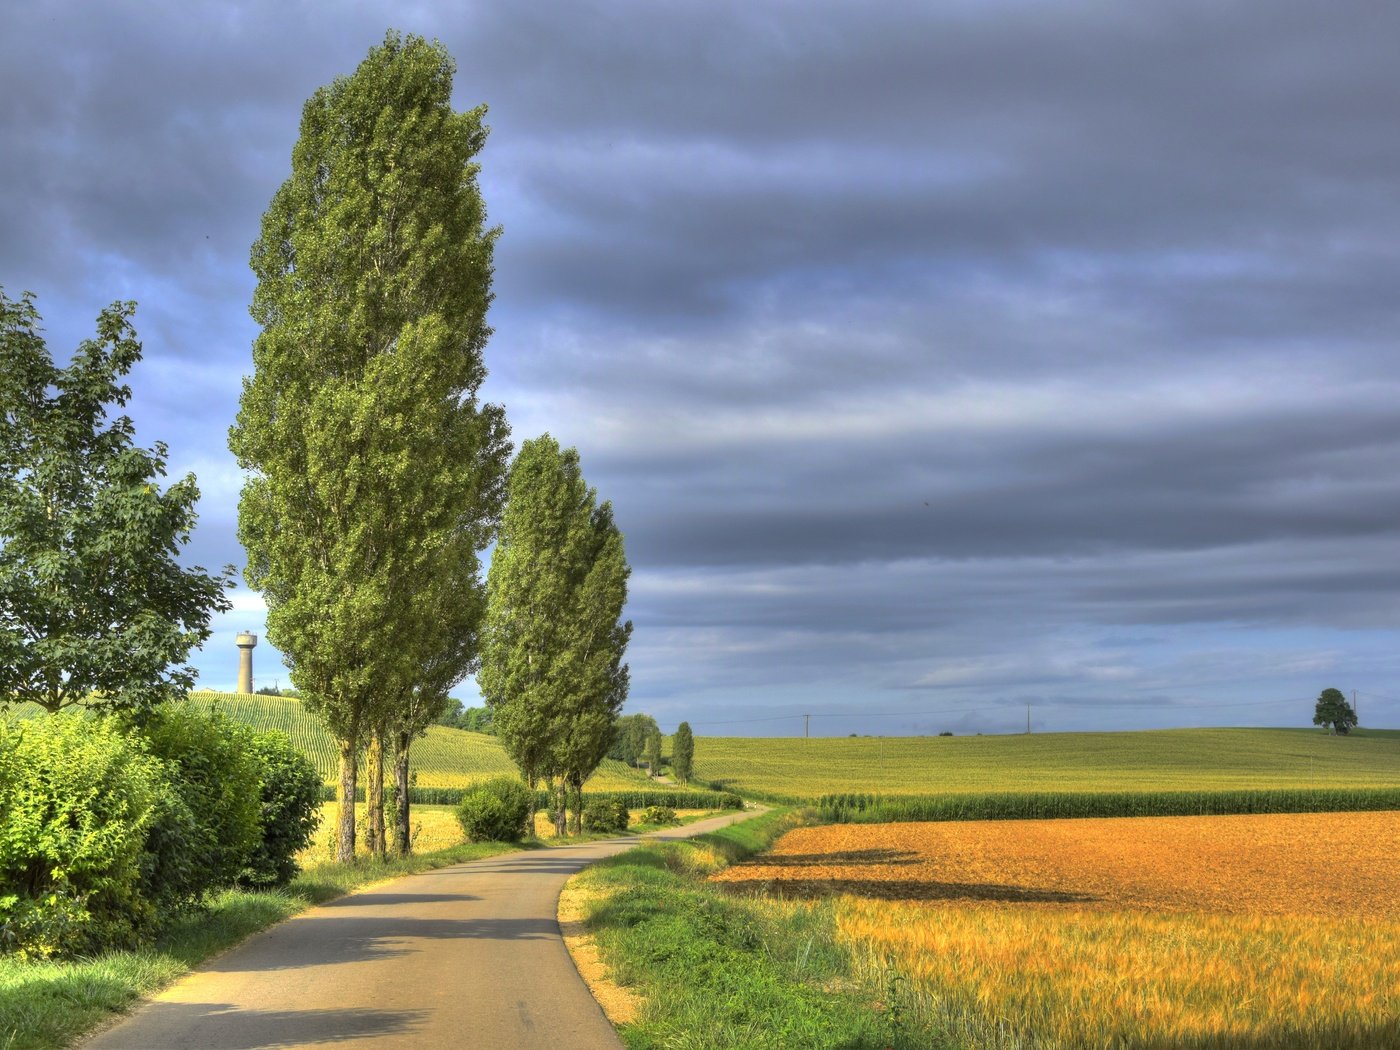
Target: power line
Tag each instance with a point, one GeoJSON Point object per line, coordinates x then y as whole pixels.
{"type": "Point", "coordinates": [993, 705]}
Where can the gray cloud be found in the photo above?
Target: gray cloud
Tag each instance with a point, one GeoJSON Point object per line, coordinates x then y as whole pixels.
{"type": "Point", "coordinates": [967, 355]}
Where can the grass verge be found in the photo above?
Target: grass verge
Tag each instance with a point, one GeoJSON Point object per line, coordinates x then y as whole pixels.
{"type": "Point", "coordinates": [44, 1006]}
{"type": "Point", "coordinates": [718, 970]}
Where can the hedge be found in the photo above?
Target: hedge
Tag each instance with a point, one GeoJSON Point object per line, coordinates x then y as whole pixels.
{"type": "Point", "coordinates": [879, 809]}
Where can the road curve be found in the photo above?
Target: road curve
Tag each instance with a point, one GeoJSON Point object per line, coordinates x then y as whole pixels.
{"type": "Point", "coordinates": [463, 957]}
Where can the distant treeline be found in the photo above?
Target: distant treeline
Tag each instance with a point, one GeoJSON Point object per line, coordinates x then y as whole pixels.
{"type": "Point", "coordinates": [1047, 805]}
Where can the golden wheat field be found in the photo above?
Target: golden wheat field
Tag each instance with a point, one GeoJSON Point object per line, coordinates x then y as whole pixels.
{"type": "Point", "coordinates": [1247, 932]}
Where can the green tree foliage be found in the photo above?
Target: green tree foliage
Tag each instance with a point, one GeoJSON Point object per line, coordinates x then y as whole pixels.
{"type": "Point", "coordinates": [683, 752]}
{"type": "Point", "coordinates": [654, 753]}
{"type": "Point", "coordinates": [1333, 710]}
{"type": "Point", "coordinates": [94, 605]}
{"type": "Point", "coordinates": [630, 736]}
{"type": "Point", "coordinates": [551, 663]}
{"type": "Point", "coordinates": [77, 800]}
{"type": "Point", "coordinates": [374, 469]}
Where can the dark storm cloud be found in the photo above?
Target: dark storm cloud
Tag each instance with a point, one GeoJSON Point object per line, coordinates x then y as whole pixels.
{"type": "Point", "coordinates": [926, 351]}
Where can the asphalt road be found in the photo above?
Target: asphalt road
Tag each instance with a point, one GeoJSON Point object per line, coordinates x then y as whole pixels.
{"type": "Point", "coordinates": [462, 957]}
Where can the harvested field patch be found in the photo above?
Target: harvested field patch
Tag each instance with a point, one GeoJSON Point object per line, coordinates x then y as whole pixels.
{"type": "Point", "coordinates": [1324, 864]}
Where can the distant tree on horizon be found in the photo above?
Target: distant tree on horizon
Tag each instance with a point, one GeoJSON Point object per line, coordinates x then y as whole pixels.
{"type": "Point", "coordinates": [1333, 710]}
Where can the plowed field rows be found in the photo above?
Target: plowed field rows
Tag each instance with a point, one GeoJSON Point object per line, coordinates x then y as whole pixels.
{"type": "Point", "coordinates": [1255, 932]}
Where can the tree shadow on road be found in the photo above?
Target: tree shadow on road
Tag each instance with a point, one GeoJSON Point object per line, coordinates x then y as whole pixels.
{"type": "Point", "coordinates": [221, 1026]}
{"type": "Point", "coordinates": [329, 940]}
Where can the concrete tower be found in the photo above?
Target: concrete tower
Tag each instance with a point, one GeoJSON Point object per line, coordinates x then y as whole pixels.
{"type": "Point", "coordinates": [245, 642]}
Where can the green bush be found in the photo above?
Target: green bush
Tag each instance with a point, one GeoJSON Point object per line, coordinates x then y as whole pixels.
{"type": "Point", "coordinates": [77, 799]}
{"type": "Point", "coordinates": [290, 810]}
{"type": "Point", "coordinates": [605, 815]}
{"type": "Point", "coordinates": [495, 811]}
{"type": "Point", "coordinates": [658, 815]}
{"type": "Point", "coordinates": [213, 772]}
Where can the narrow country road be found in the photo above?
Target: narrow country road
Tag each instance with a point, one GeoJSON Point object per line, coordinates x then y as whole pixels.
{"type": "Point", "coordinates": [462, 957]}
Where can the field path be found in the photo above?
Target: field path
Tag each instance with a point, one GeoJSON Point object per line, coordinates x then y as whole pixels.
{"type": "Point", "coordinates": [464, 957]}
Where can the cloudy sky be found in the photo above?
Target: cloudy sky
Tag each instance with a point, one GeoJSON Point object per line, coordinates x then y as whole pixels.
{"type": "Point", "coordinates": [939, 359]}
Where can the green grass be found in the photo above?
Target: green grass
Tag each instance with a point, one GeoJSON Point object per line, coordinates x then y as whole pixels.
{"type": "Point", "coordinates": [46, 1005]}
{"type": "Point", "coordinates": [718, 971]}
{"type": "Point", "coordinates": [446, 758]}
{"type": "Point", "coordinates": [1157, 760]}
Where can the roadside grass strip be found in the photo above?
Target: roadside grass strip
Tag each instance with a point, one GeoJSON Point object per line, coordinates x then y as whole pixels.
{"type": "Point", "coordinates": [47, 1005]}
{"type": "Point", "coordinates": [715, 970]}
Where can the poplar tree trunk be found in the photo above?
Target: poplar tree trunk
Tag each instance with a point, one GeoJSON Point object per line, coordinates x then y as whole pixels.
{"type": "Point", "coordinates": [345, 820]}
{"type": "Point", "coordinates": [374, 795]}
{"type": "Point", "coordinates": [576, 797]}
{"type": "Point", "coordinates": [401, 745]}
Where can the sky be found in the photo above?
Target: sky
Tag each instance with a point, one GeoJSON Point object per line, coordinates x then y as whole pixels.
{"type": "Point", "coordinates": [946, 364]}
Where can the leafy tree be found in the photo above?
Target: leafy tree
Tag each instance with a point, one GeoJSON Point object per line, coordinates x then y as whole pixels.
{"type": "Point", "coordinates": [654, 753]}
{"type": "Point", "coordinates": [551, 658]}
{"type": "Point", "coordinates": [630, 738]}
{"type": "Point", "coordinates": [1333, 710]}
{"type": "Point", "coordinates": [452, 714]}
{"type": "Point", "coordinates": [95, 608]}
{"type": "Point", "coordinates": [372, 463]}
{"type": "Point", "coordinates": [476, 720]}
{"type": "Point", "coordinates": [683, 752]}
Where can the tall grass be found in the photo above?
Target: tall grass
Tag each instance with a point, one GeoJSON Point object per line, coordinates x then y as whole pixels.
{"type": "Point", "coordinates": [858, 808]}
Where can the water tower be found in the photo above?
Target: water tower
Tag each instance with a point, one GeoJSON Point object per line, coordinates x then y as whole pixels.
{"type": "Point", "coordinates": [245, 642]}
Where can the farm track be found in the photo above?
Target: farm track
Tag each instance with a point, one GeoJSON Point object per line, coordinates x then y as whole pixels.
{"type": "Point", "coordinates": [469, 956]}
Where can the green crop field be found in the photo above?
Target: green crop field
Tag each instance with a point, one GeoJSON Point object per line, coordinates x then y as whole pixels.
{"type": "Point", "coordinates": [1157, 760]}
{"type": "Point", "coordinates": [444, 758]}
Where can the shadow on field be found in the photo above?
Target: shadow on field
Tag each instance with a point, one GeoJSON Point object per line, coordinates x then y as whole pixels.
{"type": "Point", "coordinates": [850, 856]}
{"type": "Point", "coordinates": [904, 890]}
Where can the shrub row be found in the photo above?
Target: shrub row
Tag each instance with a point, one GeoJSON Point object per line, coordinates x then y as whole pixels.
{"type": "Point", "coordinates": [642, 798]}
{"type": "Point", "coordinates": [638, 799]}
{"type": "Point", "coordinates": [879, 809]}
{"type": "Point", "coordinates": [107, 829]}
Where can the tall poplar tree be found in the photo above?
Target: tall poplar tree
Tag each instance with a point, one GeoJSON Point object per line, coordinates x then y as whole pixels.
{"type": "Point", "coordinates": [372, 464]}
{"type": "Point", "coordinates": [552, 648]}
{"type": "Point", "coordinates": [683, 752]}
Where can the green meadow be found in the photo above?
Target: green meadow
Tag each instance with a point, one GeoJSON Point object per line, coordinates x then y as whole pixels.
{"type": "Point", "coordinates": [1155, 760]}
{"type": "Point", "coordinates": [447, 758]}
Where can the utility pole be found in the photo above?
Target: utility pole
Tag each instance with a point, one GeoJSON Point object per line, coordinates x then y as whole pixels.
{"type": "Point", "coordinates": [1354, 709]}
{"type": "Point", "coordinates": [1028, 719]}
{"type": "Point", "coordinates": [806, 726]}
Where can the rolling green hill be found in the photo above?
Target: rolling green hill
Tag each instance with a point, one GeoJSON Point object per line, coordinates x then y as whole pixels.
{"type": "Point", "coordinates": [444, 758]}
{"type": "Point", "coordinates": [1170, 759]}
